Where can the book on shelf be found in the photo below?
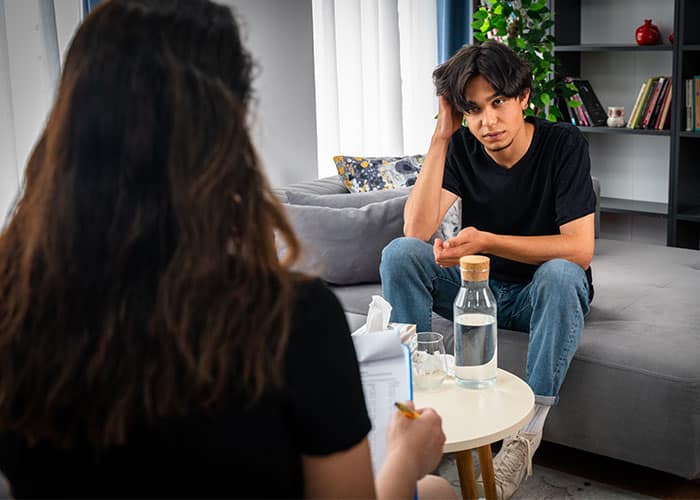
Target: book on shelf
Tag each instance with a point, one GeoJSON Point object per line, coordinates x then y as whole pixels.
{"type": "Point", "coordinates": [640, 111]}
{"type": "Point", "coordinates": [689, 97]}
{"type": "Point", "coordinates": [583, 113]}
{"type": "Point", "coordinates": [595, 112]}
{"type": "Point", "coordinates": [567, 113]}
{"type": "Point", "coordinates": [696, 102]}
{"type": "Point", "coordinates": [653, 103]}
{"type": "Point", "coordinates": [664, 120]}
{"type": "Point", "coordinates": [642, 89]}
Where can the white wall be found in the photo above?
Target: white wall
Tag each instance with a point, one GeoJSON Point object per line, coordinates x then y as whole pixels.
{"type": "Point", "coordinates": [279, 35]}
{"type": "Point", "coordinates": [629, 166]}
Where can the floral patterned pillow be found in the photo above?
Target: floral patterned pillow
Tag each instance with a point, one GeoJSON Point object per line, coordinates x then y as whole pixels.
{"type": "Point", "coordinates": [362, 174]}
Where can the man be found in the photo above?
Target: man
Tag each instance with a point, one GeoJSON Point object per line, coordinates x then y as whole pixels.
{"type": "Point", "coordinates": [527, 203]}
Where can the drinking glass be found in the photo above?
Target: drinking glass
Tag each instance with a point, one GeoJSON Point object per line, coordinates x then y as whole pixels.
{"type": "Point", "coordinates": [428, 361]}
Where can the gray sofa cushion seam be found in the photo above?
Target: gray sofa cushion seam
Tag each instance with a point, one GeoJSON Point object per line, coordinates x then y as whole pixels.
{"type": "Point", "coordinates": [628, 369]}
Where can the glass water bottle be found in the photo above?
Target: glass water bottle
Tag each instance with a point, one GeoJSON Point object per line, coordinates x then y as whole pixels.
{"type": "Point", "coordinates": [475, 325]}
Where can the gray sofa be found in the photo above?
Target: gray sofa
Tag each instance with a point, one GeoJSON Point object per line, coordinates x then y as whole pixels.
{"type": "Point", "coordinates": [633, 388]}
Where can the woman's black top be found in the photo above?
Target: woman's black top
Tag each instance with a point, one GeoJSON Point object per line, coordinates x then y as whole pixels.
{"type": "Point", "coordinates": [241, 450]}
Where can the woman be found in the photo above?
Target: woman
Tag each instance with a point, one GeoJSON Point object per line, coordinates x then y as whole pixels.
{"type": "Point", "coordinates": [151, 342]}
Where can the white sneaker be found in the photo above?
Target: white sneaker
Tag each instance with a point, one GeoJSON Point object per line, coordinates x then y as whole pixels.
{"type": "Point", "coordinates": [514, 461]}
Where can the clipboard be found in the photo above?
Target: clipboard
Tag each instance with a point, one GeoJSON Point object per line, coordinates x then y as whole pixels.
{"type": "Point", "coordinates": [385, 369]}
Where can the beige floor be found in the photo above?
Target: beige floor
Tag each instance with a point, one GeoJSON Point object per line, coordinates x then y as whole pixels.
{"type": "Point", "coordinates": [547, 483]}
{"type": "Point", "coordinates": [561, 472]}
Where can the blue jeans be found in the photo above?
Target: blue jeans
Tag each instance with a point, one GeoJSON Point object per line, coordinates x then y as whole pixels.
{"type": "Point", "coordinates": [551, 307]}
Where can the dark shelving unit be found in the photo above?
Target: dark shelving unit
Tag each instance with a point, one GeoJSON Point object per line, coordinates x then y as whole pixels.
{"type": "Point", "coordinates": [682, 211]}
{"type": "Point", "coordinates": [624, 131]}
{"type": "Point", "coordinates": [592, 47]}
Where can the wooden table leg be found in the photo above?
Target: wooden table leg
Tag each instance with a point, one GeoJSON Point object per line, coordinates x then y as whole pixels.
{"type": "Point", "coordinates": [465, 468]}
{"type": "Point", "coordinates": [487, 475]}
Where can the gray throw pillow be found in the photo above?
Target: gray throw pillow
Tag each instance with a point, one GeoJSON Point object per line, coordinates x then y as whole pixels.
{"type": "Point", "coordinates": [344, 245]}
{"type": "Point", "coordinates": [345, 200]}
{"type": "Point", "coordinates": [449, 227]}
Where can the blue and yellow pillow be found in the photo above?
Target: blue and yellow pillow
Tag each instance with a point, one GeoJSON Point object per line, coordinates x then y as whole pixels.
{"type": "Point", "coordinates": [378, 173]}
{"type": "Point", "coordinates": [364, 174]}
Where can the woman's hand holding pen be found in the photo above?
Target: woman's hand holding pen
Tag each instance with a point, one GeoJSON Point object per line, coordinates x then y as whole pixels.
{"type": "Point", "coordinates": [417, 442]}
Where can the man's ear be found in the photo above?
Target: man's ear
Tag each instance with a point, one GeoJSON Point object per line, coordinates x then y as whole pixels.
{"type": "Point", "coordinates": [525, 99]}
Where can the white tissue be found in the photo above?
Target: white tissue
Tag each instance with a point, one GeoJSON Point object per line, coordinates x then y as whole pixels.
{"type": "Point", "coordinates": [378, 314]}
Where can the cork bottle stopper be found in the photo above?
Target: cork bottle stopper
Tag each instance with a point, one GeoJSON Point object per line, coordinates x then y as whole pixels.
{"type": "Point", "coordinates": [474, 267]}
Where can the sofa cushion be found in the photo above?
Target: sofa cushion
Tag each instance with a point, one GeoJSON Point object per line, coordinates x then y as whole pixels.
{"type": "Point", "coordinates": [325, 185]}
{"type": "Point", "coordinates": [347, 200]}
{"type": "Point", "coordinates": [380, 173]}
{"type": "Point", "coordinates": [335, 241]}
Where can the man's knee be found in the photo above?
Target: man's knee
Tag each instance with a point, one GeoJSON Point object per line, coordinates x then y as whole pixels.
{"type": "Point", "coordinates": [560, 274]}
{"type": "Point", "coordinates": [401, 253]}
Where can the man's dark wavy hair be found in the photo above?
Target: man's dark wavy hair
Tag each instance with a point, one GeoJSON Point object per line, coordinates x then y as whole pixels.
{"type": "Point", "coordinates": [505, 71]}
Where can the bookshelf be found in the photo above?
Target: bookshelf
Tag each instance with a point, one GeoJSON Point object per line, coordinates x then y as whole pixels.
{"type": "Point", "coordinates": [643, 172]}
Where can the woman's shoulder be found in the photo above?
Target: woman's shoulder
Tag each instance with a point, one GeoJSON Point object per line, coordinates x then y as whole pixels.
{"type": "Point", "coordinates": [316, 307]}
{"type": "Point", "coordinates": [309, 289]}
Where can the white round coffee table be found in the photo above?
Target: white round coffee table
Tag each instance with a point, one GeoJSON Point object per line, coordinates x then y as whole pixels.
{"type": "Point", "coordinates": [475, 418]}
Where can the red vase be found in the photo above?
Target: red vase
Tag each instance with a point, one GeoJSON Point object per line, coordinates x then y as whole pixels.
{"type": "Point", "coordinates": [647, 34]}
{"type": "Point", "coordinates": [670, 38]}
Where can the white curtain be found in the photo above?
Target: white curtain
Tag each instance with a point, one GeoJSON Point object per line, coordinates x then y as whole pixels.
{"type": "Point", "coordinates": [373, 64]}
{"type": "Point", "coordinates": [33, 37]}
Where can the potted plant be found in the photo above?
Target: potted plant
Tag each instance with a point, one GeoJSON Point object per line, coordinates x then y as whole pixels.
{"type": "Point", "coordinates": [524, 25]}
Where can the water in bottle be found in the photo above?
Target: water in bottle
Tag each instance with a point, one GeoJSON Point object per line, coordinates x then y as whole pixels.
{"type": "Point", "coordinates": [475, 326]}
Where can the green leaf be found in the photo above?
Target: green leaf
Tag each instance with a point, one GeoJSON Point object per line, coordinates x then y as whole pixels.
{"type": "Point", "coordinates": [485, 26]}
{"type": "Point", "coordinates": [546, 99]}
{"type": "Point", "coordinates": [526, 4]}
{"type": "Point", "coordinates": [481, 14]}
{"type": "Point", "coordinates": [520, 43]}
{"type": "Point", "coordinates": [499, 23]}
{"type": "Point", "coordinates": [538, 5]}
{"type": "Point", "coordinates": [492, 2]}
{"type": "Point", "coordinates": [481, 37]}
{"type": "Point", "coordinates": [551, 117]}
{"type": "Point", "coordinates": [573, 104]}
{"type": "Point", "coordinates": [529, 112]}
{"type": "Point", "coordinates": [498, 10]}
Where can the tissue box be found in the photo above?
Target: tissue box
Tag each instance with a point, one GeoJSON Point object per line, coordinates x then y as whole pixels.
{"type": "Point", "coordinates": [407, 332]}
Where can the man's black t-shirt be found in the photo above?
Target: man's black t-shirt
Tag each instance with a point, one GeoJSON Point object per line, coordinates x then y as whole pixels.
{"type": "Point", "coordinates": [550, 186]}
{"type": "Point", "coordinates": [242, 451]}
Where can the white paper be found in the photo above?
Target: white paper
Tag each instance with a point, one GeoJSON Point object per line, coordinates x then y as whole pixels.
{"type": "Point", "coordinates": [378, 314]}
{"type": "Point", "coordinates": [385, 368]}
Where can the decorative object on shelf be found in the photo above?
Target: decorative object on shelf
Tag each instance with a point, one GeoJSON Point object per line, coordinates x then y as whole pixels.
{"type": "Point", "coordinates": [524, 25]}
{"type": "Point", "coordinates": [616, 116]}
{"type": "Point", "coordinates": [647, 34]}
{"type": "Point", "coordinates": [670, 38]}
{"type": "Point", "coordinates": [595, 115]}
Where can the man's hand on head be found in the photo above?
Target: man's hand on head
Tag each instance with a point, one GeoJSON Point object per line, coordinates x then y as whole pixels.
{"type": "Point", "coordinates": [448, 120]}
{"type": "Point", "coordinates": [468, 241]}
